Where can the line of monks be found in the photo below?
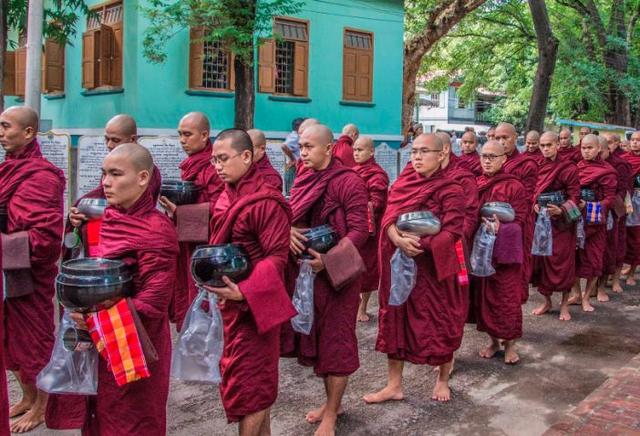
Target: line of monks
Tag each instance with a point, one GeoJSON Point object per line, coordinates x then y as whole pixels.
{"type": "Point", "coordinates": [337, 183]}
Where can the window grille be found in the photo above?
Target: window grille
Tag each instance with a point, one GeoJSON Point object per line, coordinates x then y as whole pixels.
{"type": "Point", "coordinates": [215, 68]}
{"type": "Point", "coordinates": [284, 66]}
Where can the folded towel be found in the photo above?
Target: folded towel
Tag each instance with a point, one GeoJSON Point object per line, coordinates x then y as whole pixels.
{"type": "Point", "coordinates": [93, 237]}
{"type": "Point", "coordinates": [343, 264]}
{"type": "Point", "coordinates": [16, 263]}
{"type": "Point", "coordinates": [593, 212]}
{"type": "Point", "coordinates": [192, 222]}
{"type": "Point", "coordinates": [571, 211]}
{"type": "Point", "coordinates": [508, 247]}
{"type": "Point", "coordinates": [463, 275]}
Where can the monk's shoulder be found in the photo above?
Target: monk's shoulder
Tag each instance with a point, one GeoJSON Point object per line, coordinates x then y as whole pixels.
{"type": "Point", "coordinates": [161, 224]}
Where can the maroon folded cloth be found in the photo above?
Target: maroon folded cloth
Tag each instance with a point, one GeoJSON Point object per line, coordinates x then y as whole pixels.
{"type": "Point", "coordinates": [148, 349]}
{"type": "Point", "coordinates": [15, 251]}
{"type": "Point", "coordinates": [192, 222]}
{"type": "Point", "coordinates": [343, 264]}
{"type": "Point", "coordinates": [508, 247]}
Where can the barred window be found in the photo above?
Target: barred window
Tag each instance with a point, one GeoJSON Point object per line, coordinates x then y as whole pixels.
{"type": "Point", "coordinates": [284, 67]}
{"type": "Point", "coordinates": [210, 63]}
{"type": "Point", "coordinates": [108, 14]}
{"type": "Point", "coordinates": [102, 47]}
{"type": "Point", "coordinates": [215, 71]}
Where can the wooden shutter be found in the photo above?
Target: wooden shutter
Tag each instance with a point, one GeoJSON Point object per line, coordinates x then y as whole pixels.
{"type": "Point", "coordinates": [9, 83]}
{"type": "Point", "coordinates": [357, 66]}
{"type": "Point", "coordinates": [349, 74]}
{"type": "Point", "coordinates": [106, 56]}
{"type": "Point", "coordinates": [300, 68]}
{"type": "Point", "coordinates": [196, 57]}
{"type": "Point", "coordinates": [53, 66]}
{"type": "Point", "coordinates": [364, 86]}
{"type": "Point", "coordinates": [21, 70]}
{"type": "Point", "coordinates": [117, 55]}
{"type": "Point", "coordinates": [232, 72]}
{"type": "Point", "coordinates": [267, 67]}
{"type": "Point", "coordinates": [90, 46]}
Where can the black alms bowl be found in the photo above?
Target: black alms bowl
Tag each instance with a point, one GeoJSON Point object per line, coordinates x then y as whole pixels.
{"type": "Point", "coordinates": [551, 197]}
{"type": "Point", "coordinates": [210, 262]}
{"type": "Point", "coordinates": [4, 219]}
{"type": "Point", "coordinates": [321, 239]}
{"type": "Point", "coordinates": [85, 284]}
{"type": "Point", "coordinates": [587, 194]}
{"type": "Point", "coordinates": [636, 181]}
{"type": "Point", "coordinates": [92, 207]}
{"type": "Point", "coordinates": [420, 223]}
{"type": "Point", "coordinates": [502, 210]}
{"type": "Point", "coordinates": [180, 192]}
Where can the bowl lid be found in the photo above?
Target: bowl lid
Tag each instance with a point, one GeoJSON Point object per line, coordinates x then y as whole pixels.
{"type": "Point", "coordinates": [94, 267]}
{"type": "Point", "coordinates": [207, 251]}
{"type": "Point", "coordinates": [178, 185]}
{"type": "Point", "coordinates": [93, 202]}
{"type": "Point", "coordinates": [416, 215]}
{"type": "Point", "coordinates": [318, 231]}
{"type": "Point", "coordinates": [498, 204]}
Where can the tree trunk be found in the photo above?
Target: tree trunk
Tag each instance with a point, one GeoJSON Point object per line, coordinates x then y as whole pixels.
{"type": "Point", "coordinates": [616, 58]}
{"type": "Point", "coordinates": [245, 94]}
{"type": "Point", "coordinates": [547, 53]}
{"type": "Point", "coordinates": [4, 6]}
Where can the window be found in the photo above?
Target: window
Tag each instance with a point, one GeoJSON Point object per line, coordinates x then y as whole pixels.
{"type": "Point", "coordinates": [283, 62]}
{"type": "Point", "coordinates": [210, 64]}
{"type": "Point", "coordinates": [434, 98]}
{"type": "Point", "coordinates": [357, 80]}
{"type": "Point", "coordinates": [102, 48]}
{"type": "Point", "coordinates": [461, 103]}
{"type": "Point", "coordinates": [15, 69]}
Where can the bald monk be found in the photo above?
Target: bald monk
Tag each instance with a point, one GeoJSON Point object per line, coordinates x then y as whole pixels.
{"type": "Point", "coordinates": [4, 397]}
{"type": "Point", "coordinates": [565, 142]}
{"type": "Point", "coordinates": [253, 214]}
{"type": "Point", "coordinates": [532, 143]}
{"type": "Point", "coordinates": [343, 148]}
{"type": "Point", "coordinates": [525, 169]}
{"type": "Point", "coordinates": [327, 193]}
{"type": "Point", "coordinates": [499, 297]}
{"type": "Point", "coordinates": [428, 327]}
{"type": "Point", "coordinates": [470, 157]}
{"type": "Point", "coordinates": [377, 181]}
{"type": "Point", "coordinates": [120, 129]}
{"type": "Point", "coordinates": [556, 273]}
{"type": "Point", "coordinates": [31, 189]}
{"type": "Point", "coordinates": [194, 130]}
{"type": "Point", "coordinates": [260, 158]}
{"type": "Point", "coordinates": [584, 131]}
{"type": "Point", "coordinates": [491, 134]}
{"type": "Point", "coordinates": [598, 176]}
{"type": "Point", "coordinates": [133, 231]}
{"type": "Point", "coordinates": [616, 244]}
{"type": "Point", "coordinates": [304, 126]}
{"type": "Point", "coordinates": [632, 256]}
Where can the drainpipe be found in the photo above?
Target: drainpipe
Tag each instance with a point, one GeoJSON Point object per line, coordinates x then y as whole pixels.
{"type": "Point", "coordinates": [34, 55]}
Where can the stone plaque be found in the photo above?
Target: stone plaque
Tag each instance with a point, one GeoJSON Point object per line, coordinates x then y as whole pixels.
{"type": "Point", "coordinates": [91, 152]}
{"type": "Point", "coordinates": [405, 156]}
{"type": "Point", "coordinates": [277, 157]}
{"type": "Point", "coordinates": [387, 158]}
{"type": "Point", "coordinates": [167, 154]}
{"type": "Point", "coordinates": [55, 147]}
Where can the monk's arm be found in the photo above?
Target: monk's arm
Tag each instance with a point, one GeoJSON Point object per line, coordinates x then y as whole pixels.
{"type": "Point", "coordinates": [378, 194]}
{"type": "Point", "coordinates": [273, 228]}
{"type": "Point", "coordinates": [572, 184]}
{"type": "Point", "coordinates": [610, 184]}
{"type": "Point", "coordinates": [472, 205]}
{"type": "Point", "coordinates": [452, 219]}
{"type": "Point", "coordinates": [354, 199]}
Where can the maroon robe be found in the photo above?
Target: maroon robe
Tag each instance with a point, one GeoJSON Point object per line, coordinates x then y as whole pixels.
{"type": "Point", "coordinates": [428, 327]}
{"type": "Point", "coordinates": [556, 273]}
{"type": "Point", "coordinates": [499, 297]}
{"type": "Point", "coordinates": [632, 256]}
{"type": "Point", "coordinates": [602, 179]}
{"type": "Point", "coordinates": [457, 171]}
{"type": "Point", "coordinates": [335, 196]}
{"type": "Point", "coordinates": [343, 151]}
{"type": "Point", "coordinates": [145, 238]}
{"type": "Point", "coordinates": [196, 168]}
{"type": "Point", "coordinates": [32, 189]}
{"type": "Point", "coordinates": [254, 215]}
{"type": "Point", "coordinates": [4, 395]}
{"type": "Point", "coordinates": [536, 156]}
{"type": "Point", "coordinates": [616, 237]}
{"type": "Point", "coordinates": [268, 173]}
{"type": "Point", "coordinates": [377, 181]}
{"type": "Point", "coordinates": [471, 161]}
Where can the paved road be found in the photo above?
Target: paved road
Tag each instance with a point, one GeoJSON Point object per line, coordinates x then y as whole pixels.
{"type": "Point", "coordinates": [561, 363]}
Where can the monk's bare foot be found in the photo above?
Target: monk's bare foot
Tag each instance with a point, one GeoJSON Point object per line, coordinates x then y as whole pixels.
{"type": "Point", "coordinates": [542, 309]}
{"type": "Point", "coordinates": [27, 422]}
{"type": "Point", "coordinates": [564, 314]}
{"type": "Point", "coordinates": [625, 270]}
{"type": "Point", "coordinates": [363, 317]}
{"type": "Point", "coordinates": [327, 427]}
{"type": "Point", "coordinates": [490, 351]}
{"type": "Point", "coordinates": [631, 281]}
{"type": "Point", "coordinates": [441, 392]}
{"type": "Point", "coordinates": [20, 408]}
{"type": "Point", "coordinates": [587, 307]}
{"type": "Point", "coordinates": [510, 355]}
{"type": "Point", "coordinates": [453, 364]}
{"type": "Point", "coordinates": [574, 299]}
{"type": "Point", "coordinates": [616, 287]}
{"type": "Point", "coordinates": [387, 393]}
{"type": "Point", "coordinates": [602, 296]}
{"type": "Point", "coordinates": [317, 415]}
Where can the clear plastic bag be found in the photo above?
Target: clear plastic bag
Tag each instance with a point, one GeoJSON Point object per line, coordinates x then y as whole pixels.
{"type": "Point", "coordinates": [610, 221]}
{"type": "Point", "coordinates": [303, 299]}
{"type": "Point", "coordinates": [69, 372]}
{"type": "Point", "coordinates": [542, 235]}
{"type": "Point", "coordinates": [403, 277]}
{"type": "Point", "coordinates": [482, 253]}
{"type": "Point", "coordinates": [580, 237]}
{"type": "Point", "coordinates": [197, 353]}
{"type": "Point", "coordinates": [633, 219]}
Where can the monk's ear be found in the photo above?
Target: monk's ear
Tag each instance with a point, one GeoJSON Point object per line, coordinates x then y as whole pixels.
{"type": "Point", "coordinates": [30, 132]}
{"type": "Point", "coordinates": [144, 177]}
{"type": "Point", "coordinates": [247, 156]}
{"type": "Point", "coordinates": [329, 147]}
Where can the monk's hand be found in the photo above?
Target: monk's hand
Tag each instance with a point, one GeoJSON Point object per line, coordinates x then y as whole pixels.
{"type": "Point", "coordinates": [229, 292]}
{"type": "Point", "coordinates": [76, 218]}
{"type": "Point", "coordinates": [536, 208]}
{"type": "Point", "coordinates": [408, 243]}
{"type": "Point", "coordinates": [317, 264]}
{"type": "Point", "coordinates": [168, 205]}
{"type": "Point", "coordinates": [492, 224]}
{"type": "Point", "coordinates": [554, 210]}
{"type": "Point", "coordinates": [79, 320]}
{"type": "Point", "coordinates": [581, 204]}
{"type": "Point", "coordinates": [296, 244]}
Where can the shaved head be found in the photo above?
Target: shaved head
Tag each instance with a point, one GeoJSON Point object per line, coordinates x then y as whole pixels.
{"type": "Point", "coordinates": [365, 141]}
{"type": "Point", "coordinates": [18, 128]}
{"type": "Point", "coordinates": [316, 143]}
{"type": "Point", "coordinates": [351, 130]}
{"type": "Point", "coordinates": [320, 131]}
{"type": "Point", "coordinates": [445, 138]}
{"type": "Point", "coordinates": [138, 155]}
{"type": "Point", "coordinates": [240, 140]}
{"type": "Point", "coordinates": [24, 116]}
{"type": "Point", "coordinates": [119, 130]}
{"type": "Point", "coordinates": [306, 123]}
{"type": "Point", "coordinates": [591, 139]}
{"type": "Point", "coordinates": [126, 173]}
{"type": "Point", "coordinates": [363, 149]}
{"type": "Point", "coordinates": [549, 135]}
{"type": "Point", "coordinates": [533, 135]}
{"type": "Point", "coordinates": [198, 119]}
{"type": "Point", "coordinates": [590, 147]}
{"type": "Point", "coordinates": [493, 147]}
{"type": "Point", "coordinates": [507, 135]}
{"type": "Point", "coordinates": [259, 143]}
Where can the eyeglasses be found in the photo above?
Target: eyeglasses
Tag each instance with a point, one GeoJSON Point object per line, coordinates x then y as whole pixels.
{"type": "Point", "coordinates": [423, 151]}
{"type": "Point", "coordinates": [490, 157]}
{"type": "Point", "coordinates": [222, 160]}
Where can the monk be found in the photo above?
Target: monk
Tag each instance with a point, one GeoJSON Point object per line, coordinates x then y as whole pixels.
{"type": "Point", "coordinates": [327, 193]}
{"type": "Point", "coordinates": [263, 164]}
{"type": "Point", "coordinates": [377, 181]}
{"type": "Point", "coordinates": [598, 176]}
{"type": "Point", "coordinates": [470, 157]}
{"type": "Point", "coordinates": [133, 231]}
{"type": "Point", "coordinates": [31, 189]}
{"type": "Point", "coordinates": [616, 243]}
{"type": "Point", "coordinates": [556, 273]}
{"type": "Point", "coordinates": [491, 134]}
{"type": "Point", "coordinates": [4, 397]}
{"type": "Point", "coordinates": [343, 148]}
{"type": "Point", "coordinates": [120, 129]}
{"type": "Point", "coordinates": [499, 297]}
{"type": "Point", "coordinates": [253, 214]}
{"type": "Point", "coordinates": [428, 327]}
{"type": "Point", "coordinates": [194, 130]}
{"type": "Point", "coordinates": [632, 256]}
{"type": "Point", "coordinates": [532, 143]}
{"type": "Point", "coordinates": [525, 169]}
{"type": "Point", "coordinates": [565, 142]}
{"type": "Point", "coordinates": [584, 131]}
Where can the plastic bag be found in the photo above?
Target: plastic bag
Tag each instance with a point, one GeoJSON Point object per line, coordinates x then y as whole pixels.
{"type": "Point", "coordinates": [403, 277]}
{"type": "Point", "coordinates": [197, 353]}
{"type": "Point", "coordinates": [543, 235]}
{"type": "Point", "coordinates": [303, 299]}
{"type": "Point", "coordinates": [633, 219]}
{"type": "Point", "coordinates": [610, 221]}
{"type": "Point", "coordinates": [580, 236]}
{"type": "Point", "coordinates": [69, 372]}
{"type": "Point", "coordinates": [482, 253]}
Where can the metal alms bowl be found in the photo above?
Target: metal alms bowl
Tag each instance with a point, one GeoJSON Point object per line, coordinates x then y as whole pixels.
{"type": "Point", "coordinates": [210, 262]}
{"type": "Point", "coordinates": [4, 219]}
{"type": "Point", "coordinates": [502, 210]}
{"type": "Point", "coordinates": [636, 181]}
{"type": "Point", "coordinates": [587, 194]}
{"type": "Point", "coordinates": [552, 197]}
{"type": "Point", "coordinates": [321, 239]}
{"type": "Point", "coordinates": [180, 192]}
{"type": "Point", "coordinates": [92, 207]}
{"type": "Point", "coordinates": [421, 223]}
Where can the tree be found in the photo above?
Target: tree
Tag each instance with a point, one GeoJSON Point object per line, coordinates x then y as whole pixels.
{"type": "Point", "coordinates": [238, 24]}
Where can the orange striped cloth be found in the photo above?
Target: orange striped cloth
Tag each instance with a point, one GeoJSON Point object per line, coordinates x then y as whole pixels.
{"type": "Point", "coordinates": [116, 338]}
{"type": "Point", "coordinates": [463, 275]}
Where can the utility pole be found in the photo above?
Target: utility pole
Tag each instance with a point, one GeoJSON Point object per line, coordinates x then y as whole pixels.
{"type": "Point", "coordinates": [34, 55]}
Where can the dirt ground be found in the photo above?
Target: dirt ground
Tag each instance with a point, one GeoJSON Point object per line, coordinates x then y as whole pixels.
{"type": "Point", "coordinates": [561, 363]}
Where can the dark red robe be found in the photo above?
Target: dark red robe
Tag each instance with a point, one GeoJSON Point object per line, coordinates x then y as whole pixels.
{"type": "Point", "coordinates": [536, 156]}
{"type": "Point", "coordinates": [428, 328]}
{"type": "Point", "coordinates": [343, 151]}
{"type": "Point", "coordinates": [556, 273]}
{"type": "Point", "coordinates": [602, 179]}
{"type": "Point", "coordinates": [268, 173]}
{"type": "Point", "coordinates": [499, 297]}
{"type": "Point", "coordinates": [377, 181]}
{"type": "Point", "coordinates": [32, 189]}
{"type": "Point", "coordinates": [143, 237]}
{"type": "Point", "coordinates": [616, 237]}
{"type": "Point", "coordinates": [254, 215]}
{"type": "Point", "coordinates": [457, 171]}
{"type": "Point", "coordinates": [632, 256]}
{"type": "Point", "coordinates": [335, 196]}
{"type": "Point", "coordinates": [471, 161]}
{"type": "Point", "coordinates": [4, 397]}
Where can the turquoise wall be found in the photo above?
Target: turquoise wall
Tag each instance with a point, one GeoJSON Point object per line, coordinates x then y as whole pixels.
{"type": "Point", "coordinates": [155, 94]}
